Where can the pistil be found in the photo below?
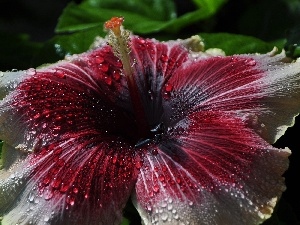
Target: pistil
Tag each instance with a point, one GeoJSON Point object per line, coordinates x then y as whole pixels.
{"type": "Point", "coordinates": [120, 42]}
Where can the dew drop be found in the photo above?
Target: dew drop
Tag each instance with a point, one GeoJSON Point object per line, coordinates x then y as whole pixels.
{"type": "Point", "coordinates": [75, 190]}
{"type": "Point", "coordinates": [155, 188]}
{"type": "Point", "coordinates": [154, 151]}
{"type": "Point", "coordinates": [168, 87]}
{"type": "Point", "coordinates": [164, 58]}
{"type": "Point", "coordinates": [161, 177]}
{"type": "Point", "coordinates": [170, 207]}
{"type": "Point", "coordinates": [48, 194]}
{"type": "Point", "coordinates": [176, 216]}
{"type": "Point", "coordinates": [114, 159]}
{"type": "Point", "coordinates": [47, 180]}
{"type": "Point", "coordinates": [31, 72]}
{"type": "Point", "coordinates": [99, 59]}
{"type": "Point", "coordinates": [31, 197]}
{"type": "Point", "coordinates": [164, 216]}
{"type": "Point", "coordinates": [108, 80]}
{"type": "Point", "coordinates": [138, 163]}
{"type": "Point", "coordinates": [60, 74]}
{"type": "Point", "coordinates": [46, 218]}
{"type": "Point", "coordinates": [64, 187]}
{"type": "Point", "coordinates": [70, 200]}
{"type": "Point", "coordinates": [56, 183]}
{"type": "Point", "coordinates": [250, 62]}
{"type": "Point", "coordinates": [103, 67]}
{"type": "Point", "coordinates": [141, 41]}
{"type": "Point", "coordinates": [163, 204]}
{"type": "Point", "coordinates": [36, 116]}
{"type": "Point", "coordinates": [150, 94]}
{"type": "Point", "coordinates": [116, 75]}
{"type": "Point", "coordinates": [119, 64]}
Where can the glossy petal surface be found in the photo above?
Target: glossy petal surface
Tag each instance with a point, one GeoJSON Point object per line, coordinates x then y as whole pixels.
{"type": "Point", "coordinates": [257, 88]}
{"type": "Point", "coordinates": [76, 163]}
{"type": "Point", "coordinates": [215, 171]}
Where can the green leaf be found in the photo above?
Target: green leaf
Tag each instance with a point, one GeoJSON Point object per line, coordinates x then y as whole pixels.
{"type": "Point", "coordinates": [209, 7]}
{"type": "Point", "coordinates": [85, 21]}
{"type": "Point", "coordinates": [236, 44]}
{"type": "Point", "coordinates": [142, 17]}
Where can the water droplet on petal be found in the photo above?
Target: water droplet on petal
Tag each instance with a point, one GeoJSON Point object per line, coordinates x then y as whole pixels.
{"type": "Point", "coordinates": [75, 190]}
{"type": "Point", "coordinates": [31, 72]}
{"type": "Point", "coordinates": [119, 64]}
{"type": "Point", "coordinates": [60, 74]}
{"type": "Point", "coordinates": [116, 75]}
{"type": "Point", "coordinates": [46, 218]}
{"type": "Point", "coordinates": [164, 216]}
{"type": "Point", "coordinates": [56, 183]}
{"type": "Point", "coordinates": [108, 80]}
{"type": "Point", "coordinates": [161, 177]}
{"type": "Point", "coordinates": [114, 159]}
{"type": "Point", "coordinates": [176, 216]}
{"type": "Point", "coordinates": [163, 204]}
{"type": "Point", "coordinates": [103, 67]}
{"type": "Point", "coordinates": [70, 200]}
{"type": "Point", "coordinates": [250, 62]}
{"type": "Point", "coordinates": [164, 58]}
{"type": "Point", "coordinates": [168, 87]}
{"type": "Point", "coordinates": [47, 180]}
{"type": "Point", "coordinates": [36, 116]}
{"type": "Point", "coordinates": [64, 187]}
{"type": "Point", "coordinates": [31, 197]}
{"type": "Point", "coordinates": [155, 188]}
{"type": "Point", "coordinates": [99, 59]}
{"type": "Point", "coordinates": [48, 194]}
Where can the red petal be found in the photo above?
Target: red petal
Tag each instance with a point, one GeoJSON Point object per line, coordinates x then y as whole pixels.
{"type": "Point", "coordinates": [66, 115]}
{"type": "Point", "coordinates": [88, 177]}
{"type": "Point", "coordinates": [154, 63]}
{"type": "Point", "coordinates": [254, 87]}
{"type": "Point", "coordinates": [216, 83]}
{"type": "Point", "coordinates": [211, 170]}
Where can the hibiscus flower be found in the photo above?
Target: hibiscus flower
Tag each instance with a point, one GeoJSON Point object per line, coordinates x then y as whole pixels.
{"type": "Point", "coordinates": [185, 134]}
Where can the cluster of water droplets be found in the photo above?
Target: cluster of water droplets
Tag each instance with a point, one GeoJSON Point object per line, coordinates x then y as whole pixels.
{"type": "Point", "coordinates": [170, 211]}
